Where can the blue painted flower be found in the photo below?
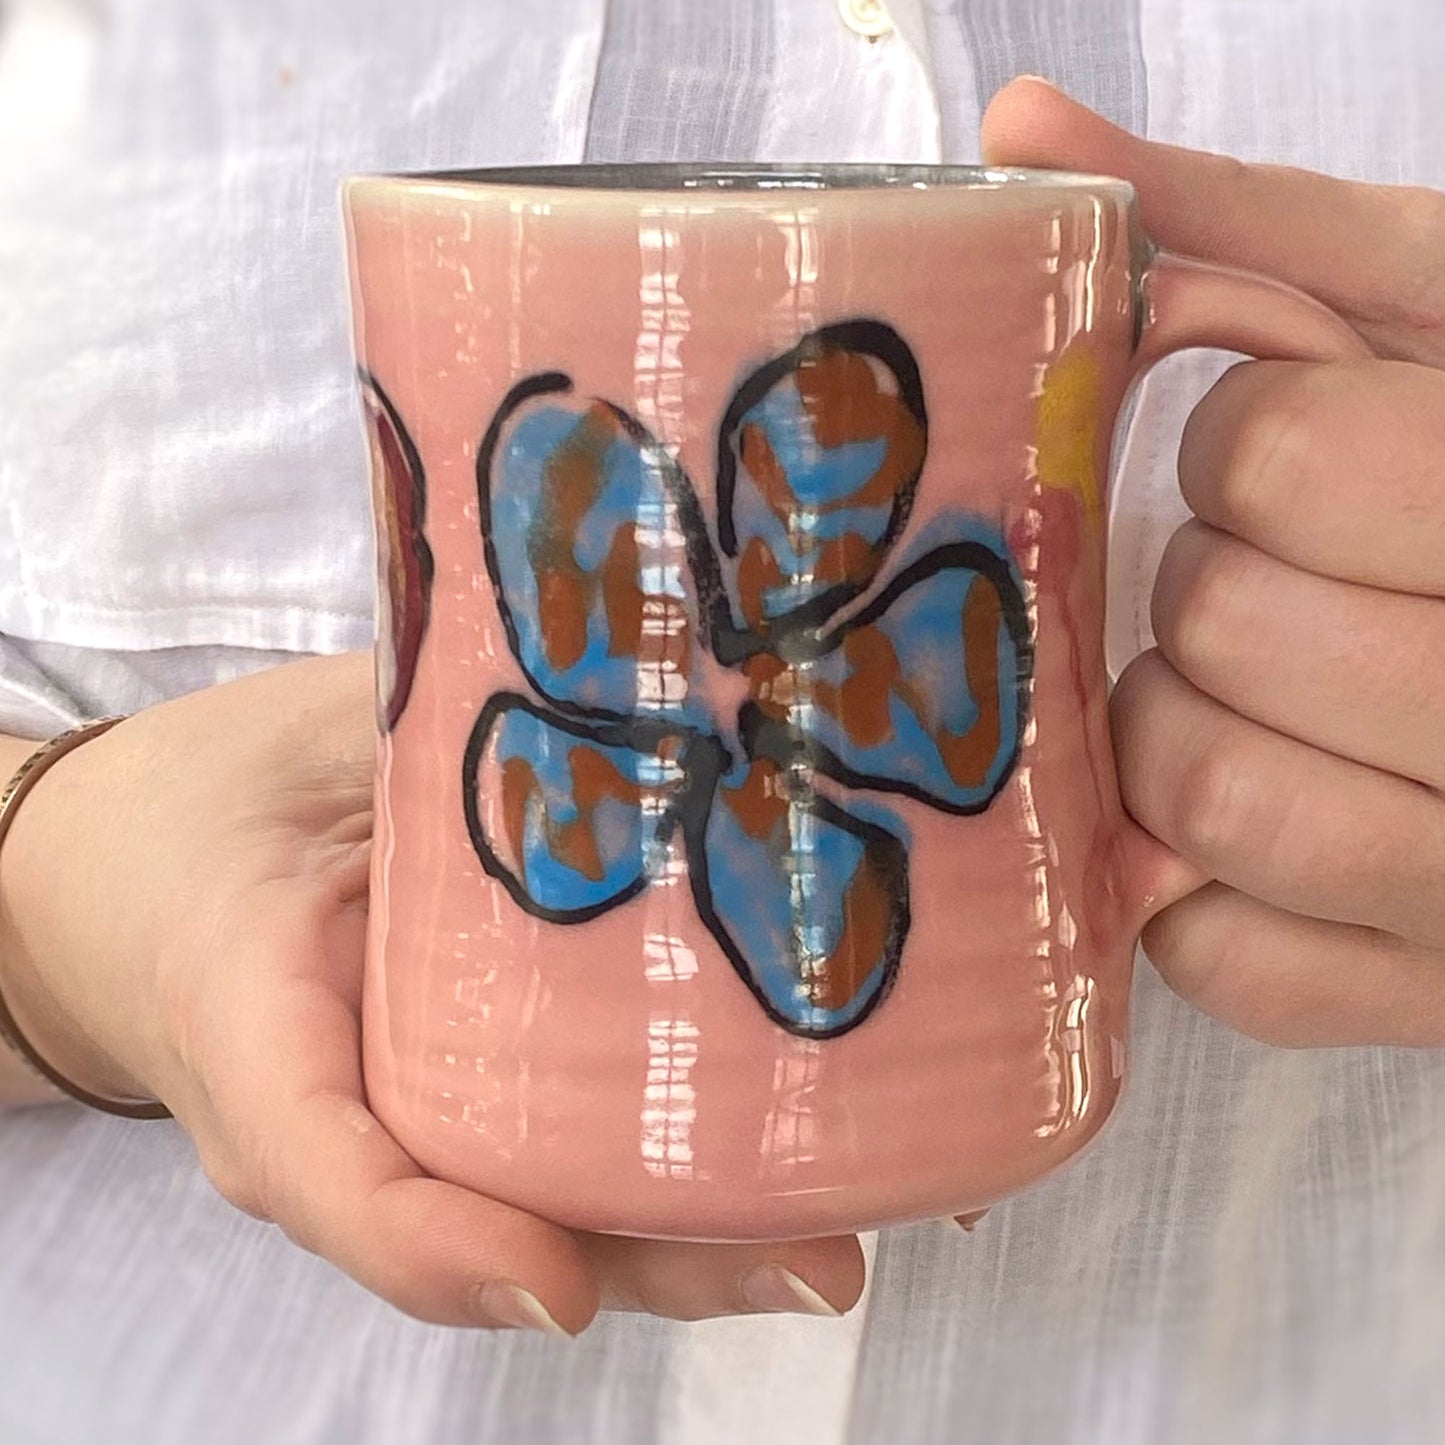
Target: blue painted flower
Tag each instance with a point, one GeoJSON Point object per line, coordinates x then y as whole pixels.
{"type": "Point", "coordinates": [620, 761]}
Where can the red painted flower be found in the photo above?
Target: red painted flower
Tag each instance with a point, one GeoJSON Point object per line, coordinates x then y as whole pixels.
{"type": "Point", "coordinates": [404, 561]}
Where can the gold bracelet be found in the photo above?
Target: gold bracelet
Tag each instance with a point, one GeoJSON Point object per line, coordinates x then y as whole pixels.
{"type": "Point", "coordinates": [26, 776]}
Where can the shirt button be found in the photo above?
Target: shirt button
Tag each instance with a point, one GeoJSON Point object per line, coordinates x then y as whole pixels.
{"type": "Point", "coordinates": [867, 17]}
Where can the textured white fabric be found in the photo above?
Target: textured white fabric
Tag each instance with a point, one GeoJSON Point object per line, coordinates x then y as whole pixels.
{"type": "Point", "coordinates": [178, 447]}
{"type": "Point", "coordinates": [1254, 1250]}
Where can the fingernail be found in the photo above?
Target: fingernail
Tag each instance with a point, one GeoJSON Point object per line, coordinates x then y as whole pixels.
{"type": "Point", "coordinates": [770, 1289]}
{"type": "Point", "coordinates": [1038, 80]}
{"type": "Point", "coordinates": [967, 1222]}
{"type": "Point", "coordinates": [499, 1305]}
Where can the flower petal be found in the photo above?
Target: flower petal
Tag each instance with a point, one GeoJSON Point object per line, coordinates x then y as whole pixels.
{"type": "Point", "coordinates": [593, 538]}
{"type": "Point", "coordinates": [808, 902]}
{"type": "Point", "coordinates": [924, 692]}
{"type": "Point", "coordinates": [572, 818]}
{"type": "Point", "coordinates": [818, 459]}
{"type": "Point", "coordinates": [403, 559]}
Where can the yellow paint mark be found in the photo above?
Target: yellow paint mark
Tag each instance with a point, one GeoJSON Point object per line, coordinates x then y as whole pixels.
{"type": "Point", "coordinates": [1068, 427]}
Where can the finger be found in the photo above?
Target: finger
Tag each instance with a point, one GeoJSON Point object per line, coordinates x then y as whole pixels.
{"type": "Point", "coordinates": [340, 1185]}
{"type": "Point", "coordinates": [1297, 981]}
{"type": "Point", "coordinates": [1371, 252]}
{"type": "Point", "coordinates": [1350, 669]}
{"type": "Point", "coordinates": [293, 1142]}
{"type": "Point", "coordinates": [1340, 469]}
{"type": "Point", "coordinates": [694, 1281]}
{"type": "Point", "coordinates": [1282, 821]}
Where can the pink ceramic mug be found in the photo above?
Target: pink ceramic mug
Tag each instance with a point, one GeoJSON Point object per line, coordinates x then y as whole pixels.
{"type": "Point", "coordinates": [749, 861]}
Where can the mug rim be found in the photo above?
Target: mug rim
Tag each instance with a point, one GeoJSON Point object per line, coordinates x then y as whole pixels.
{"type": "Point", "coordinates": [752, 178]}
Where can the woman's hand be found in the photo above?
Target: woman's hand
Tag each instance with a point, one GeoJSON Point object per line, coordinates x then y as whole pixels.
{"type": "Point", "coordinates": [184, 917]}
{"type": "Point", "coordinates": [1287, 736]}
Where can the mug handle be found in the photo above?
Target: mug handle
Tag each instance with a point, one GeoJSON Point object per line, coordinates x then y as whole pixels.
{"type": "Point", "coordinates": [1187, 303]}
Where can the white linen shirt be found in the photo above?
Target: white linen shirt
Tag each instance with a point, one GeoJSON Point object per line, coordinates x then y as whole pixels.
{"type": "Point", "coordinates": [1254, 1251]}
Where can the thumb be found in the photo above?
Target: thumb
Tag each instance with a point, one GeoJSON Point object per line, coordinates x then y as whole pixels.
{"type": "Point", "coordinates": [1371, 253]}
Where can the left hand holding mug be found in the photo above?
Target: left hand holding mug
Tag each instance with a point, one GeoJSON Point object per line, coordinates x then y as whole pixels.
{"type": "Point", "coordinates": [1287, 734]}
{"type": "Point", "coordinates": [184, 915]}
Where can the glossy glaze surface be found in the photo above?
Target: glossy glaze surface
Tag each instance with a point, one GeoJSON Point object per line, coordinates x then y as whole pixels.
{"type": "Point", "coordinates": [748, 852]}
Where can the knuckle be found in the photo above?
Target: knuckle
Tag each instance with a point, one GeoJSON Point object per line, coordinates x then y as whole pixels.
{"type": "Point", "coordinates": [235, 1183]}
{"type": "Point", "coordinates": [1138, 689]}
{"type": "Point", "coordinates": [1217, 806]}
{"type": "Point", "coordinates": [1422, 214]}
{"type": "Point", "coordinates": [1133, 705]}
{"type": "Point", "coordinates": [653, 1296]}
{"type": "Point", "coordinates": [1195, 959]}
{"type": "Point", "coordinates": [1228, 173]}
{"type": "Point", "coordinates": [1425, 1028]}
{"type": "Point", "coordinates": [1143, 709]}
{"type": "Point", "coordinates": [1135, 676]}
{"type": "Point", "coordinates": [238, 1153]}
{"type": "Point", "coordinates": [1424, 681]}
{"type": "Point", "coordinates": [301, 1233]}
{"type": "Point", "coordinates": [1268, 457]}
{"type": "Point", "coordinates": [1196, 599]}
{"type": "Point", "coordinates": [1419, 291]}
{"type": "Point", "coordinates": [1207, 949]}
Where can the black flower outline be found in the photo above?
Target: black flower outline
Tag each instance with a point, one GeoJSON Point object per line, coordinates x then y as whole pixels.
{"type": "Point", "coordinates": [701, 766]}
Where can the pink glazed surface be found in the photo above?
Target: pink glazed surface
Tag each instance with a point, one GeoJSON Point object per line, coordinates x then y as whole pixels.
{"type": "Point", "coordinates": [618, 1076]}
